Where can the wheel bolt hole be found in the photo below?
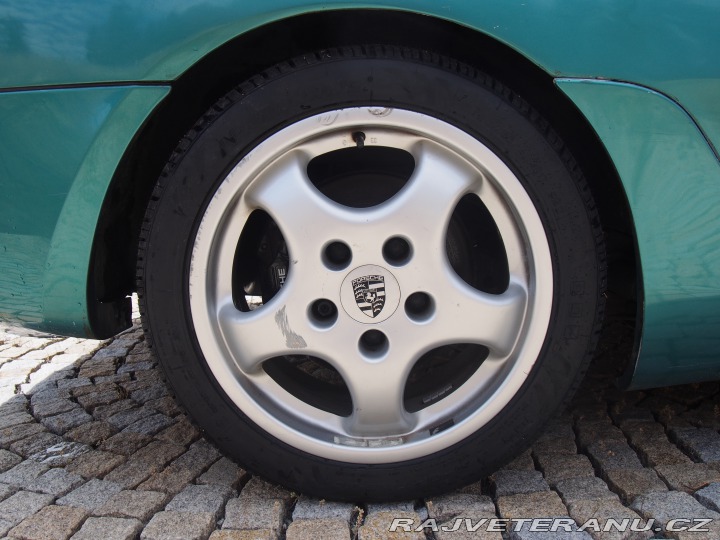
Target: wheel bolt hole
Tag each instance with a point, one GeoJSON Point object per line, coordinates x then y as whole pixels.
{"type": "Point", "coordinates": [397, 251]}
{"type": "Point", "coordinates": [323, 312]}
{"type": "Point", "coordinates": [419, 306]}
{"type": "Point", "coordinates": [373, 343]}
{"type": "Point", "coordinates": [337, 255]}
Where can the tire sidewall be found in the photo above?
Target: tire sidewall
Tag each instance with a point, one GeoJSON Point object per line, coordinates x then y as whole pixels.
{"type": "Point", "coordinates": [421, 83]}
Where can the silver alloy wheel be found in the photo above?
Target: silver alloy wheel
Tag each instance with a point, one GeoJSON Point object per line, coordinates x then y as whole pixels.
{"type": "Point", "coordinates": [449, 165]}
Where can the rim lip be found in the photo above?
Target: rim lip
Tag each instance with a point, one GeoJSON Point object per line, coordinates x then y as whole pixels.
{"type": "Point", "coordinates": [539, 275]}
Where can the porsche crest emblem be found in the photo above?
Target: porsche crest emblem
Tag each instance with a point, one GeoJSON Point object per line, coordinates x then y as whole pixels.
{"type": "Point", "coordinates": [370, 294]}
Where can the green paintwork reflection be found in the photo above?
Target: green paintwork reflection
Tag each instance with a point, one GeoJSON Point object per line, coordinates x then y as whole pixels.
{"type": "Point", "coordinates": [667, 45]}
{"type": "Point", "coordinates": [58, 153]}
{"type": "Point", "coordinates": [672, 180]}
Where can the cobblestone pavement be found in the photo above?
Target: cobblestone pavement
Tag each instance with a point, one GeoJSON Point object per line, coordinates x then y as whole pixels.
{"type": "Point", "coordinates": [93, 446]}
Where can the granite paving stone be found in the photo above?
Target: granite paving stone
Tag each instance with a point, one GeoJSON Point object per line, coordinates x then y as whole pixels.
{"type": "Point", "coordinates": [109, 528]}
{"type": "Point", "coordinates": [97, 368]}
{"type": "Point", "coordinates": [184, 469]}
{"type": "Point", "coordinates": [61, 423]}
{"type": "Point", "coordinates": [125, 443]}
{"type": "Point", "coordinates": [60, 454]}
{"type": "Point", "coordinates": [117, 378]}
{"type": "Point", "coordinates": [482, 530]}
{"type": "Point", "coordinates": [613, 455]}
{"type": "Point", "coordinates": [201, 499]}
{"type": "Point", "coordinates": [95, 464]}
{"type": "Point", "coordinates": [109, 353]}
{"type": "Point", "coordinates": [531, 505]}
{"type": "Point", "coordinates": [660, 452]}
{"type": "Point", "coordinates": [312, 529]}
{"type": "Point", "coordinates": [23, 504]}
{"type": "Point", "coordinates": [15, 419]}
{"type": "Point", "coordinates": [254, 513]}
{"type": "Point", "coordinates": [123, 419]}
{"type": "Point", "coordinates": [447, 506]}
{"type": "Point", "coordinates": [664, 506]}
{"type": "Point", "coordinates": [629, 483]}
{"type": "Point", "coordinates": [92, 400]}
{"type": "Point", "coordinates": [688, 477]}
{"type": "Point", "coordinates": [47, 395]}
{"type": "Point", "coordinates": [91, 433]}
{"type": "Point", "coordinates": [261, 489]}
{"type": "Point", "coordinates": [308, 508]}
{"type": "Point", "coordinates": [15, 433]}
{"type": "Point", "coordinates": [51, 523]}
{"type": "Point", "coordinates": [589, 433]}
{"type": "Point", "coordinates": [709, 496]}
{"type": "Point", "coordinates": [644, 431]}
{"type": "Point", "coordinates": [565, 529]}
{"type": "Point", "coordinates": [91, 495]}
{"type": "Point", "coordinates": [707, 415]}
{"type": "Point", "coordinates": [556, 467]}
{"type": "Point", "coordinates": [8, 460]}
{"type": "Point", "coordinates": [131, 473]}
{"type": "Point", "coordinates": [56, 482]}
{"type": "Point", "coordinates": [637, 442]}
{"type": "Point", "coordinates": [578, 489]}
{"type": "Point", "coordinates": [69, 384]}
{"type": "Point", "coordinates": [5, 526]}
{"type": "Point", "coordinates": [377, 526]}
{"type": "Point", "coordinates": [35, 443]}
{"type": "Point", "coordinates": [44, 409]}
{"type": "Point", "coordinates": [178, 526]}
{"type": "Point", "coordinates": [607, 512]}
{"type": "Point", "coordinates": [233, 534]}
{"type": "Point", "coordinates": [148, 393]}
{"type": "Point", "coordinates": [158, 453]}
{"type": "Point", "coordinates": [103, 412]}
{"type": "Point", "coordinates": [182, 432]}
{"type": "Point", "coordinates": [147, 378]}
{"type": "Point", "coordinates": [136, 366]}
{"type": "Point", "coordinates": [150, 425]}
{"type": "Point", "coordinates": [15, 403]}
{"type": "Point", "coordinates": [712, 532]}
{"type": "Point", "coordinates": [223, 472]}
{"type": "Point", "coordinates": [140, 354]}
{"type": "Point", "coordinates": [701, 444]}
{"type": "Point", "coordinates": [400, 506]}
{"type": "Point", "coordinates": [514, 482]}
{"type": "Point", "coordinates": [134, 504]}
{"type": "Point", "coordinates": [23, 473]}
{"type": "Point", "coordinates": [166, 405]}
{"type": "Point", "coordinates": [170, 480]}
{"type": "Point", "coordinates": [6, 490]}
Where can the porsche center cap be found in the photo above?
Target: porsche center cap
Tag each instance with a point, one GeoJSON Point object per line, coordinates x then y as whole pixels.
{"type": "Point", "coordinates": [370, 294]}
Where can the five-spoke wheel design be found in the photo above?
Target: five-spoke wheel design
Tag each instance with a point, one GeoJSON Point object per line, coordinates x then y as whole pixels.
{"type": "Point", "coordinates": [371, 285]}
{"type": "Point", "coordinates": [372, 273]}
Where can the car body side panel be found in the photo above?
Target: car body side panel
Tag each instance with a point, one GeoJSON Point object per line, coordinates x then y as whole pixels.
{"type": "Point", "coordinates": [662, 44]}
{"type": "Point", "coordinates": [59, 147]}
{"type": "Point", "coordinates": [672, 180]}
{"type": "Point", "coordinates": [59, 151]}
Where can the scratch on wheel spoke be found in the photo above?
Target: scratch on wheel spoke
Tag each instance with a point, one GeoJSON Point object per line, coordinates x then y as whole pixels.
{"type": "Point", "coordinates": [292, 340]}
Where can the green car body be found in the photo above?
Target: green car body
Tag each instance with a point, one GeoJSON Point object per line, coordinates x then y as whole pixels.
{"type": "Point", "coordinates": [83, 85]}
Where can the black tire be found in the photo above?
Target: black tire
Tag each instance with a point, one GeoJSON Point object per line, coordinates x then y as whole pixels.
{"type": "Point", "coordinates": [461, 97]}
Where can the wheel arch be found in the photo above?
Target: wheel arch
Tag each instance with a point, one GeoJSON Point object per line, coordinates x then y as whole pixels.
{"type": "Point", "coordinates": [113, 260]}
